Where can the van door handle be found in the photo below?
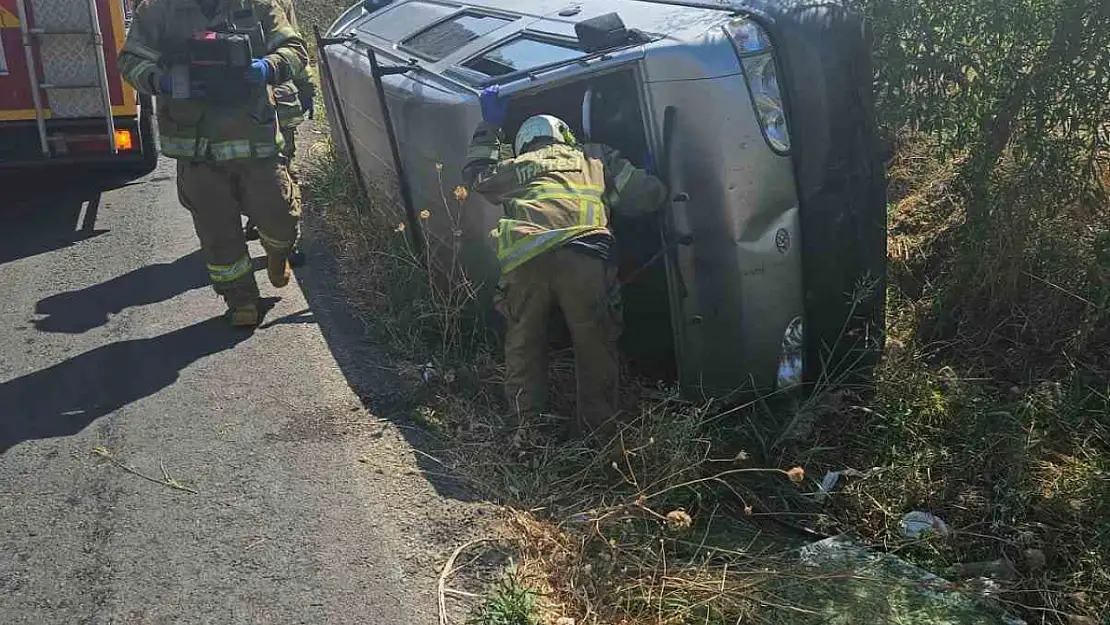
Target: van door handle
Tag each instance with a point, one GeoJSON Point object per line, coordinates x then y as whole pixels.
{"type": "Point", "coordinates": [681, 197]}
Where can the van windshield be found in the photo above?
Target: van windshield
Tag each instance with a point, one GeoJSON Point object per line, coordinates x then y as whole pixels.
{"type": "Point", "coordinates": [446, 37]}
{"type": "Point", "coordinates": [522, 54]}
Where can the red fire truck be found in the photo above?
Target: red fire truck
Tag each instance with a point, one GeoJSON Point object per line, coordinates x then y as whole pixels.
{"type": "Point", "coordinates": [62, 100]}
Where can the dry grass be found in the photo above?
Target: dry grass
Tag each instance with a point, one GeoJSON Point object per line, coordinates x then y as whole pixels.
{"type": "Point", "coordinates": [640, 530]}
{"type": "Point", "coordinates": [645, 529]}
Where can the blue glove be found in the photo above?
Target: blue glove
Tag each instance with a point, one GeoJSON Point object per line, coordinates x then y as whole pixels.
{"type": "Point", "coordinates": [260, 71]}
{"type": "Point", "coordinates": [165, 84]}
{"type": "Point", "coordinates": [649, 163]}
{"type": "Point", "coordinates": [493, 106]}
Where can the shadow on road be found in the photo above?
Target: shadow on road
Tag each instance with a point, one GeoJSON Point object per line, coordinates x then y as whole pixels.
{"type": "Point", "coordinates": [74, 312]}
{"type": "Point", "coordinates": [45, 211]}
{"type": "Point", "coordinates": [66, 398]}
{"type": "Point", "coordinates": [368, 368]}
{"type": "Point", "coordinates": [301, 317]}
{"type": "Point", "coordinates": [42, 220]}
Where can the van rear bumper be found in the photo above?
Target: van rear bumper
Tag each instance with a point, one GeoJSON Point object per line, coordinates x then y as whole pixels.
{"type": "Point", "coordinates": [71, 142]}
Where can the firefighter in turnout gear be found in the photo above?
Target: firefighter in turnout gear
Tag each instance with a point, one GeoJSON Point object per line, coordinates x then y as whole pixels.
{"type": "Point", "coordinates": [553, 244]}
{"type": "Point", "coordinates": [295, 101]}
{"type": "Point", "coordinates": [294, 97]}
{"type": "Point", "coordinates": [213, 66]}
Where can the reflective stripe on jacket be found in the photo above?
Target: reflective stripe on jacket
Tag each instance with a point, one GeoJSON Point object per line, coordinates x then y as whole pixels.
{"type": "Point", "coordinates": [555, 194]}
{"type": "Point", "coordinates": [194, 129]}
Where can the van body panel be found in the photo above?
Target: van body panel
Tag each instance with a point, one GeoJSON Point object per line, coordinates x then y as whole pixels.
{"type": "Point", "coordinates": [673, 21]}
{"type": "Point", "coordinates": [428, 112]}
{"type": "Point", "coordinates": [711, 55]}
{"type": "Point", "coordinates": [742, 291]}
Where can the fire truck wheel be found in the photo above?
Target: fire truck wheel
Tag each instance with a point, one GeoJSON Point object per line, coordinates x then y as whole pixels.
{"type": "Point", "coordinates": [146, 136]}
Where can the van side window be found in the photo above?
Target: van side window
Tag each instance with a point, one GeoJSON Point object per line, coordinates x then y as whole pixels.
{"type": "Point", "coordinates": [446, 37]}
{"type": "Point", "coordinates": [405, 19]}
{"type": "Point", "coordinates": [522, 54]}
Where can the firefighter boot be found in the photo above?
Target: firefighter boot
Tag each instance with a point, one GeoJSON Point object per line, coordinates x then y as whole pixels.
{"type": "Point", "coordinates": [245, 316]}
{"type": "Point", "coordinates": [278, 269]}
{"type": "Point", "coordinates": [250, 231]}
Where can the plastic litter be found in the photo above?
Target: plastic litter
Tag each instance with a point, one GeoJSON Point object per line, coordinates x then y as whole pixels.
{"type": "Point", "coordinates": [428, 372]}
{"type": "Point", "coordinates": [917, 523]}
{"type": "Point", "coordinates": [832, 478]}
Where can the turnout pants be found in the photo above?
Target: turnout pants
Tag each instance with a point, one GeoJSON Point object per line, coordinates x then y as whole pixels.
{"type": "Point", "coordinates": [290, 149]}
{"type": "Point", "coordinates": [580, 286]}
{"type": "Point", "coordinates": [216, 193]}
{"type": "Point", "coordinates": [287, 153]}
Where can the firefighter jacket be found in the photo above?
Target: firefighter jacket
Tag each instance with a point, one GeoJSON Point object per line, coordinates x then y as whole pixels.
{"type": "Point", "coordinates": [289, 95]}
{"type": "Point", "coordinates": [194, 128]}
{"type": "Point", "coordinates": [555, 194]}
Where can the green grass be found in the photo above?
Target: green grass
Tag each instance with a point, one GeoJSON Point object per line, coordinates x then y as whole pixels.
{"type": "Point", "coordinates": [320, 13]}
{"type": "Point", "coordinates": [510, 601]}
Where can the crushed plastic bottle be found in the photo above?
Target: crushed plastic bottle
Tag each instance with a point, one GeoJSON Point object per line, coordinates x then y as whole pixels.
{"type": "Point", "coordinates": [917, 523]}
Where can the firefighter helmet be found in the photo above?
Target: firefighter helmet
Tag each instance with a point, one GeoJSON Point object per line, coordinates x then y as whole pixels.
{"type": "Point", "coordinates": [542, 127]}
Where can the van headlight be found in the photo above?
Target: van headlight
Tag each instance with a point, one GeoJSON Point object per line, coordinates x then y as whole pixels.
{"type": "Point", "coordinates": [757, 57]}
{"type": "Point", "coordinates": [791, 356]}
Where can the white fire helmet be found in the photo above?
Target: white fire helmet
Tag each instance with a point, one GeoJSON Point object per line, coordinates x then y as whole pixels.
{"type": "Point", "coordinates": [541, 126]}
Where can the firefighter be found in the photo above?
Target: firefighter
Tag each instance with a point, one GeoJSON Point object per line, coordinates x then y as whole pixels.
{"type": "Point", "coordinates": [553, 245]}
{"type": "Point", "coordinates": [295, 100]}
{"type": "Point", "coordinates": [223, 133]}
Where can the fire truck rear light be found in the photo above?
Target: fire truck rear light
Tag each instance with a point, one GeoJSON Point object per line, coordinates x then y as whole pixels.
{"type": "Point", "coordinates": [123, 141]}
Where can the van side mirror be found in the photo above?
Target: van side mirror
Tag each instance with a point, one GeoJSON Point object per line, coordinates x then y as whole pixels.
{"type": "Point", "coordinates": [606, 32]}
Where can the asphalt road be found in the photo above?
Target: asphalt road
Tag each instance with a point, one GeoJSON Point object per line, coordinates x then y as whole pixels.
{"type": "Point", "coordinates": [307, 508]}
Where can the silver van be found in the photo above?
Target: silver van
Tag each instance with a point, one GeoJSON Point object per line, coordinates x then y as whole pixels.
{"type": "Point", "coordinates": [767, 268]}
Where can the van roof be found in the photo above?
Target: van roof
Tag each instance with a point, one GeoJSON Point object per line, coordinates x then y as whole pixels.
{"type": "Point", "coordinates": [675, 21]}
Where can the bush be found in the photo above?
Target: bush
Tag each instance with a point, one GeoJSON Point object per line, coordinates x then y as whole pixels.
{"type": "Point", "coordinates": [1000, 110]}
{"type": "Point", "coordinates": [1025, 78]}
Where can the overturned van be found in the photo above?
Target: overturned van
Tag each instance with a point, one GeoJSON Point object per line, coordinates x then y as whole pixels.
{"type": "Point", "coordinates": [767, 267]}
